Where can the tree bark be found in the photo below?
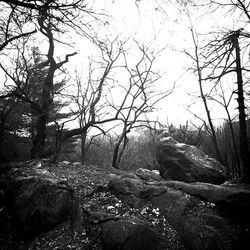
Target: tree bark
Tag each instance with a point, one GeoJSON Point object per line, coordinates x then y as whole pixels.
{"type": "Point", "coordinates": [242, 115]}
{"type": "Point", "coordinates": [38, 143]}
{"type": "Point", "coordinates": [118, 151]}
{"type": "Point", "coordinates": [237, 170]}
{"type": "Point", "coordinates": [115, 153]}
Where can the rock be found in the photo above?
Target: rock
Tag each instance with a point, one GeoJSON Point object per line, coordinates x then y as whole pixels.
{"type": "Point", "coordinates": [125, 186]}
{"type": "Point", "coordinates": [41, 206]}
{"type": "Point", "coordinates": [233, 199]}
{"type": "Point", "coordinates": [65, 164]}
{"type": "Point", "coordinates": [77, 164]}
{"type": "Point", "coordinates": [127, 189]}
{"type": "Point", "coordinates": [182, 162]}
{"type": "Point", "coordinates": [198, 223]}
{"type": "Point", "coordinates": [148, 175]}
{"type": "Point", "coordinates": [129, 234]}
{"type": "Point", "coordinates": [36, 199]}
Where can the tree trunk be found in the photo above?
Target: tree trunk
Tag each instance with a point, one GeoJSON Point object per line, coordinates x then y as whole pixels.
{"type": "Point", "coordinates": [125, 142]}
{"type": "Point", "coordinates": [83, 147]}
{"type": "Point", "coordinates": [38, 144]}
{"type": "Point", "coordinates": [237, 170]}
{"type": "Point", "coordinates": [115, 162]}
{"type": "Point", "coordinates": [115, 155]}
{"type": "Point", "coordinates": [118, 151]}
{"type": "Point", "coordinates": [242, 115]}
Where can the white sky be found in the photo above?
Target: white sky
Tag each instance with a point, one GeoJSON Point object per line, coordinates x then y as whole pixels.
{"type": "Point", "coordinates": [167, 28]}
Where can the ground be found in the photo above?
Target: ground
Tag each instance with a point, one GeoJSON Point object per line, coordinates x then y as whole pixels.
{"type": "Point", "coordinates": [91, 189]}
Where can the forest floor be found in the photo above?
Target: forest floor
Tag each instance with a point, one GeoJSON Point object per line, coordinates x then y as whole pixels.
{"type": "Point", "coordinates": [85, 180]}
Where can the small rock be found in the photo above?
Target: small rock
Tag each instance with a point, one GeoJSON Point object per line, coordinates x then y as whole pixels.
{"type": "Point", "coordinates": [148, 175]}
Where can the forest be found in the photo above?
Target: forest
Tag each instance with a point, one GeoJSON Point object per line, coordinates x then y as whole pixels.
{"type": "Point", "coordinates": [117, 99]}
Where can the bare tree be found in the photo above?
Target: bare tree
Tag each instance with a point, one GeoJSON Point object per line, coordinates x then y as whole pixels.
{"type": "Point", "coordinates": [140, 98]}
{"type": "Point", "coordinates": [11, 26]}
{"type": "Point", "coordinates": [224, 102]}
{"type": "Point", "coordinates": [198, 70]}
{"type": "Point", "coordinates": [92, 107]}
{"type": "Point", "coordinates": [223, 58]}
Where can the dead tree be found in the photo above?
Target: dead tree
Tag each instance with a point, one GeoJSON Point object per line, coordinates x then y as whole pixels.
{"type": "Point", "coordinates": [224, 102]}
{"type": "Point", "coordinates": [223, 58]}
{"type": "Point", "coordinates": [91, 105]}
{"type": "Point", "coordinates": [140, 98]}
{"type": "Point", "coordinates": [244, 152]}
{"type": "Point", "coordinates": [198, 70]}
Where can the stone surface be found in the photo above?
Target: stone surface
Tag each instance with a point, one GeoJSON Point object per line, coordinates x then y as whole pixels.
{"type": "Point", "coordinates": [179, 161]}
{"type": "Point", "coordinates": [41, 206]}
{"type": "Point", "coordinates": [37, 200]}
{"type": "Point", "coordinates": [231, 199]}
{"type": "Point", "coordinates": [198, 223]}
{"type": "Point", "coordinates": [129, 234]}
{"type": "Point", "coordinates": [148, 175]}
{"type": "Point", "coordinates": [77, 164]}
{"type": "Point", "coordinates": [126, 185]}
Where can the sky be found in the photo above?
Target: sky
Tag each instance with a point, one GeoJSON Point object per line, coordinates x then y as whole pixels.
{"type": "Point", "coordinates": [162, 27]}
{"type": "Point", "coordinates": [149, 26]}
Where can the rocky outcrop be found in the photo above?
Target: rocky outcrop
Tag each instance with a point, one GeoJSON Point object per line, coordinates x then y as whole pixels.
{"type": "Point", "coordinates": [182, 162]}
{"type": "Point", "coordinates": [129, 234]}
{"type": "Point", "coordinates": [198, 223]}
{"type": "Point", "coordinates": [37, 200]}
{"type": "Point", "coordinates": [234, 200]}
{"type": "Point", "coordinates": [113, 209]}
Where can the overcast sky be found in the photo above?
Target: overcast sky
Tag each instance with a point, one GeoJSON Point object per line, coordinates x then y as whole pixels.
{"type": "Point", "coordinates": [160, 26]}
{"type": "Point", "coordinates": [164, 26]}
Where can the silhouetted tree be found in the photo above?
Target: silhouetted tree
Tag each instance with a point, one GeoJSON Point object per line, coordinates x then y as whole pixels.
{"type": "Point", "coordinates": [223, 58]}
{"type": "Point", "coordinates": [51, 18]}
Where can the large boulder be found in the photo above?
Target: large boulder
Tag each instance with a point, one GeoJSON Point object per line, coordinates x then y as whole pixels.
{"type": "Point", "coordinates": [234, 200]}
{"type": "Point", "coordinates": [129, 234]}
{"type": "Point", "coordinates": [41, 206]}
{"type": "Point", "coordinates": [36, 199]}
{"type": "Point", "coordinates": [199, 223]}
{"type": "Point", "coordinates": [182, 162]}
